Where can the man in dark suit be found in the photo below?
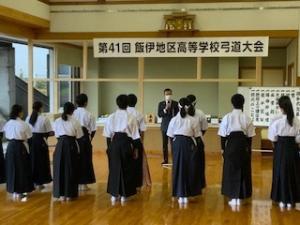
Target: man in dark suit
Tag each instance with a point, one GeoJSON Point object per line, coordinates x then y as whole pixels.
{"type": "Point", "coordinates": [167, 109]}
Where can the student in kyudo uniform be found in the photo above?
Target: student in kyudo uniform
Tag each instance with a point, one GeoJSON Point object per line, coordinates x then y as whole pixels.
{"type": "Point", "coordinates": [284, 132]}
{"type": "Point", "coordinates": [122, 133]}
{"type": "Point", "coordinates": [2, 160]}
{"type": "Point", "coordinates": [38, 146]}
{"type": "Point", "coordinates": [88, 124]}
{"type": "Point", "coordinates": [200, 154]}
{"type": "Point", "coordinates": [142, 169]}
{"type": "Point", "coordinates": [184, 129]}
{"type": "Point", "coordinates": [18, 167]}
{"type": "Point", "coordinates": [236, 131]}
{"type": "Point", "coordinates": [66, 155]}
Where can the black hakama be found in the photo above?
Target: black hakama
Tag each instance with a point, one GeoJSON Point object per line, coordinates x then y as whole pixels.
{"type": "Point", "coordinates": [40, 162]}
{"type": "Point", "coordinates": [121, 178]}
{"type": "Point", "coordinates": [2, 163]}
{"type": "Point", "coordinates": [286, 169]}
{"type": "Point", "coordinates": [237, 180]}
{"type": "Point", "coordinates": [139, 164]}
{"type": "Point", "coordinates": [18, 168]}
{"type": "Point", "coordinates": [198, 166]}
{"type": "Point", "coordinates": [86, 168]}
{"type": "Point", "coordinates": [65, 168]}
{"type": "Point", "coordinates": [185, 171]}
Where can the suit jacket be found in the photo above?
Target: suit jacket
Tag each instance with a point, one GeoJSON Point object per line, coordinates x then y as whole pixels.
{"type": "Point", "coordinates": [166, 117]}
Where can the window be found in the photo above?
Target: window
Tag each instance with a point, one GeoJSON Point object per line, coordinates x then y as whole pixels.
{"type": "Point", "coordinates": [68, 90]}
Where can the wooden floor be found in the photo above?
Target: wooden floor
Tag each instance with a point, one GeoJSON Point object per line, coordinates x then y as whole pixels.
{"type": "Point", "coordinates": [155, 205]}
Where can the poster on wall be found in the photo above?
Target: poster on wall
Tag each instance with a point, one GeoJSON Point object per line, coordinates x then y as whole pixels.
{"type": "Point", "coordinates": [264, 103]}
{"type": "Point", "coordinates": [181, 47]}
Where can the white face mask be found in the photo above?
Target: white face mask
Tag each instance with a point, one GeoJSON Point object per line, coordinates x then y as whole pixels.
{"type": "Point", "coordinates": [168, 97]}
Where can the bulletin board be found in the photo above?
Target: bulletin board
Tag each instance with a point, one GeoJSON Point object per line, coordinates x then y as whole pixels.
{"type": "Point", "coordinates": [261, 103]}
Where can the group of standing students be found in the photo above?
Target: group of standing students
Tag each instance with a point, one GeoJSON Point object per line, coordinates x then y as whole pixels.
{"type": "Point", "coordinates": [26, 165]}
{"type": "Point", "coordinates": [187, 128]}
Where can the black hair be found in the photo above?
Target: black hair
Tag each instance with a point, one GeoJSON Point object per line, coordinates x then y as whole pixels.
{"type": "Point", "coordinates": [185, 103]}
{"type": "Point", "coordinates": [238, 100]}
{"type": "Point", "coordinates": [285, 104]}
{"type": "Point", "coordinates": [122, 101]}
{"type": "Point", "coordinates": [68, 110]}
{"type": "Point", "coordinates": [191, 98]}
{"type": "Point", "coordinates": [132, 100]}
{"type": "Point", "coordinates": [81, 100]}
{"type": "Point", "coordinates": [15, 111]}
{"type": "Point", "coordinates": [167, 89]}
{"type": "Point", "coordinates": [35, 112]}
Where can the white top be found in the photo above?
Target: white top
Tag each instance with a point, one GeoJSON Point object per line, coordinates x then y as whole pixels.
{"type": "Point", "coordinates": [71, 127]}
{"type": "Point", "coordinates": [187, 126]}
{"type": "Point", "coordinates": [42, 125]}
{"type": "Point", "coordinates": [2, 124]}
{"type": "Point", "coordinates": [139, 117]}
{"type": "Point", "coordinates": [236, 120]}
{"type": "Point", "coordinates": [279, 126]}
{"type": "Point", "coordinates": [121, 121]}
{"type": "Point", "coordinates": [200, 116]}
{"type": "Point", "coordinates": [85, 118]}
{"type": "Point", "coordinates": [17, 129]}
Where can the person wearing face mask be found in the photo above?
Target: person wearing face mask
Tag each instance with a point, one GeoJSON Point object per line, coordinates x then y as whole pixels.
{"type": "Point", "coordinates": [167, 109]}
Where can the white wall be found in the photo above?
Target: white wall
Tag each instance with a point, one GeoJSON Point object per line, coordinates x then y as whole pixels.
{"type": "Point", "coordinates": [32, 7]}
{"type": "Point", "coordinates": [145, 17]}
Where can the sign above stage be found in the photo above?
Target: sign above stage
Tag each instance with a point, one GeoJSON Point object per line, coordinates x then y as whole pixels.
{"type": "Point", "coordinates": [182, 47]}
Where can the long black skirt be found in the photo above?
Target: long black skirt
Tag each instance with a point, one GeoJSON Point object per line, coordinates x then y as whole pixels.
{"type": "Point", "coordinates": [237, 180]}
{"type": "Point", "coordinates": [139, 164]}
{"type": "Point", "coordinates": [286, 170]}
{"type": "Point", "coordinates": [86, 168]}
{"type": "Point", "coordinates": [40, 162]}
{"type": "Point", "coordinates": [2, 164]}
{"type": "Point", "coordinates": [185, 171]}
{"type": "Point", "coordinates": [18, 168]}
{"type": "Point", "coordinates": [65, 168]}
{"type": "Point", "coordinates": [121, 178]}
{"type": "Point", "coordinates": [199, 162]}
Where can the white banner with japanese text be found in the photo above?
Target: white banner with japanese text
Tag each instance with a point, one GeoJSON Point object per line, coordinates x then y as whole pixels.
{"type": "Point", "coordinates": [182, 47]}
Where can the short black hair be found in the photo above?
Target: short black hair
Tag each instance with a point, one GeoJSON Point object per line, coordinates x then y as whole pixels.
{"type": "Point", "coordinates": [167, 89]}
{"type": "Point", "coordinates": [132, 100]}
{"type": "Point", "coordinates": [122, 101]}
{"type": "Point", "coordinates": [191, 98]}
{"type": "Point", "coordinates": [15, 111]}
{"type": "Point", "coordinates": [238, 101]}
{"type": "Point", "coordinates": [81, 99]}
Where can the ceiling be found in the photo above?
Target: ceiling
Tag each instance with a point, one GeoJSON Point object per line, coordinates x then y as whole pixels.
{"type": "Point", "coordinates": [75, 2]}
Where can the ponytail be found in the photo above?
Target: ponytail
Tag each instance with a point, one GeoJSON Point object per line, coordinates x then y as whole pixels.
{"type": "Point", "coordinates": [68, 110]}
{"type": "Point", "coordinates": [191, 110]}
{"type": "Point", "coordinates": [35, 112]}
{"type": "Point", "coordinates": [182, 112]}
{"type": "Point", "coordinates": [285, 104]}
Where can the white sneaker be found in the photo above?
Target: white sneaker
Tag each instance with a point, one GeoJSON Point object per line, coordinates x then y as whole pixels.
{"type": "Point", "coordinates": [233, 202]}
{"type": "Point", "coordinates": [114, 199]}
{"type": "Point", "coordinates": [281, 205]}
{"type": "Point", "coordinates": [289, 205]}
{"type": "Point", "coordinates": [180, 200]}
{"type": "Point", "coordinates": [185, 200]}
{"type": "Point", "coordinates": [123, 199]}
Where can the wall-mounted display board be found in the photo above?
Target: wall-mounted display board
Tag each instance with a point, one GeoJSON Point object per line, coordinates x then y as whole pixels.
{"type": "Point", "coordinates": [261, 103]}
